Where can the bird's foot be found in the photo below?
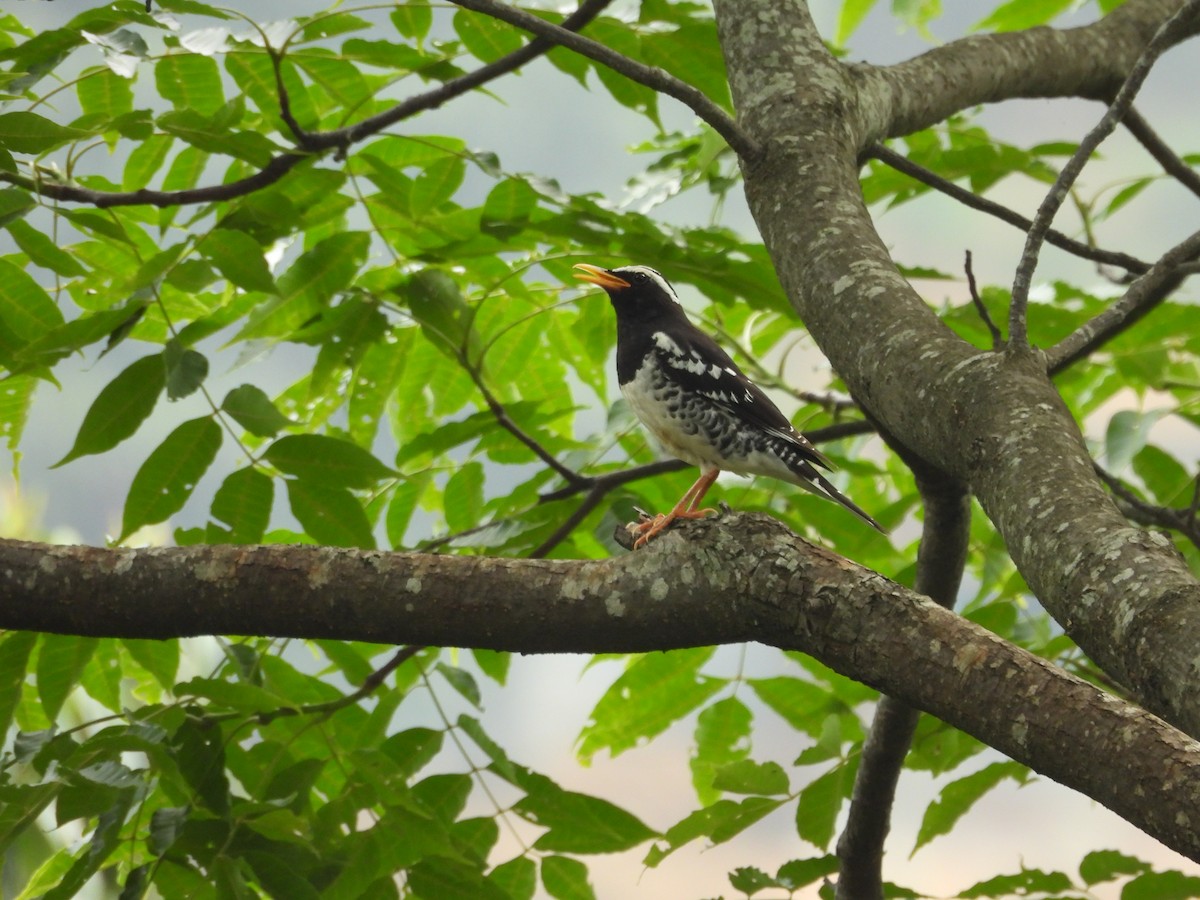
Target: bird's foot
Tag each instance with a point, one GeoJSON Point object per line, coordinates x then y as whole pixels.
{"type": "Point", "coordinates": [649, 526]}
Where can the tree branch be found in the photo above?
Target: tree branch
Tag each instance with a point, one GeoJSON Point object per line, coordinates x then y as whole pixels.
{"type": "Point", "coordinates": [1003, 213]}
{"type": "Point", "coordinates": [726, 579]}
{"type": "Point", "coordinates": [1171, 32]}
{"type": "Point", "coordinates": [1145, 293]}
{"type": "Point", "coordinates": [941, 559]}
{"type": "Point", "coordinates": [993, 421]}
{"type": "Point", "coordinates": [657, 79]}
{"type": "Point", "coordinates": [1090, 61]}
{"type": "Point", "coordinates": [1158, 148]}
{"type": "Point", "coordinates": [1181, 520]}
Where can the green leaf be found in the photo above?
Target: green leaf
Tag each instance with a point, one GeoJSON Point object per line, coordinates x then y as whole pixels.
{"type": "Point", "coordinates": [494, 664]}
{"type": "Point", "coordinates": [14, 204]}
{"type": "Point", "coordinates": [186, 370]}
{"type": "Point", "coordinates": [1026, 882]}
{"type": "Point", "coordinates": [26, 132]}
{"type": "Point", "coordinates": [243, 502]}
{"type": "Point", "coordinates": [819, 805]}
{"type": "Point", "coordinates": [26, 311]}
{"type": "Point", "coordinates": [656, 690]}
{"type": "Point", "coordinates": [200, 755]}
{"type": "Point", "coordinates": [750, 880]}
{"type": "Point", "coordinates": [104, 839]}
{"type": "Point", "coordinates": [413, 19]}
{"type": "Point", "coordinates": [719, 822]}
{"type": "Point", "coordinates": [463, 497]}
{"type": "Point", "coordinates": [436, 185]}
{"type": "Point", "coordinates": [403, 504]}
{"type": "Point", "coordinates": [61, 659]}
{"type": "Point", "coordinates": [1127, 433]}
{"type": "Point", "coordinates": [566, 879]}
{"type": "Point", "coordinates": [159, 658]}
{"type": "Point", "coordinates": [437, 876]}
{"type": "Point", "coordinates": [802, 704]}
{"type": "Point", "coordinates": [507, 208]}
{"type": "Point", "coordinates": [798, 873]}
{"type": "Point", "coordinates": [485, 37]}
{"type": "Point", "coordinates": [190, 81]}
{"type": "Point", "coordinates": [239, 258]}
{"type": "Point", "coordinates": [748, 777]}
{"type": "Point", "coordinates": [577, 823]}
{"type": "Point", "coordinates": [517, 878]}
{"type": "Point", "coordinates": [327, 460]}
{"type": "Point", "coordinates": [330, 515]}
{"type": "Point", "coordinates": [1162, 886]}
{"type": "Point", "coordinates": [120, 408]}
{"type": "Point", "coordinates": [251, 408]}
{"type": "Point", "coordinates": [15, 648]}
{"type": "Point", "coordinates": [168, 476]}
{"type": "Point", "coordinates": [722, 737]}
{"type": "Point", "coordinates": [1106, 865]}
{"type": "Point", "coordinates": [439, 308]}
{"type": "Point", "coordinates": [957, 798]}
{"type": "Point", "coordinates": [852, 14]}
{"type": "Point", "coordinates": [462, 681]}
{"type": "Point", "coordinates": [1018, 15]}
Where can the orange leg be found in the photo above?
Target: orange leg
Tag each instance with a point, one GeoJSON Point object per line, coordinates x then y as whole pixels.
{"type": "Point", "coordinates": [684, 509]}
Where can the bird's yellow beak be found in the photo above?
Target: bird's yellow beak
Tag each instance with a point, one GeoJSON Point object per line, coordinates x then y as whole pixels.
{"type": "Point", "coordinates": [599, 276]}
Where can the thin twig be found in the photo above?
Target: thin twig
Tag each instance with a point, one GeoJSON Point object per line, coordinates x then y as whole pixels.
{"type": "Point", "coordinates": [1164, 38]}
{"type": "Point", "coordinates": [1172, 164]}
{"type": "Point", "coordinates": [1146, 292]}
{"type": "Point", "coordinates": [997, 337]}
{"type": "Point", "coordinates": [943, 185]}
{"type": "Point", "coordinates": [654, 78]}
{"type": "Point", "coordinates": [1138, 510]}
{"type": "Point", "coordinates": [368, 687]}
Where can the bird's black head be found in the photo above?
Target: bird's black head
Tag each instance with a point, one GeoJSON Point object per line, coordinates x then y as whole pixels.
{"type": "Point", "coordinates": [636, 292]}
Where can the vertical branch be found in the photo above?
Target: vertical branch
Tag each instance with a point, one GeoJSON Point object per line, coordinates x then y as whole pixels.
{"type": "Point", "coordinates": [1168, 33]}
{"type": "Point", "coordinates": [940, 562]}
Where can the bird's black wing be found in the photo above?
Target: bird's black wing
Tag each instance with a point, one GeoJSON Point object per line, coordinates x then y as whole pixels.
{"type": "Point", "coordinates": [698, 364]}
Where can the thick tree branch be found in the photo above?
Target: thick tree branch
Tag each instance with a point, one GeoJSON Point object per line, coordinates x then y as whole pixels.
{"type": "Point", "coordinates": [663, 82]}
{"type": "Point", "coordinates": [1173, 30]}
{"type": "Point", "coordinates": [727, 579]}
{"type": "Point", "coordinates": [1091, 61]}
{"type": "Point", "coordinates": [941, 559]}
{"type": "Point", "coordinates": [993, 421]}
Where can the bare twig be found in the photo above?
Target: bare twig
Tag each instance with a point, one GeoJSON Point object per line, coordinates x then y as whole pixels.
{"type": "Point", "coordinates": [1157, 147]}
{"type": "Point", "coordinates": [1146, 292]}
{"type": "Point", "coordinates": [997, 337]}
{"type": "Point", "coordinates": [1003, 213]}
{"type": "Point", "coordinates": [1167, 34]}
{"type": "Point", "coordinates": [1138, 510]}
{"type": "Point", "coordinates": [651, 77]}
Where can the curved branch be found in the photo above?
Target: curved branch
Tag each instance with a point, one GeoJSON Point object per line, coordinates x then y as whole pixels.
{"type": "Point", "coordinates": [657, 79]}
{"type": "Point", "coordinates": [1090, 61]}
{"type": "Point", "coordinates": [747, 578]}
{"type": "Point", "coordinates": [1171, 32]}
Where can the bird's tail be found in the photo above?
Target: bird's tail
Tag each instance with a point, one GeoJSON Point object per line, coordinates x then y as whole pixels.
{"type": "Point", "coordinates": [828, 490]}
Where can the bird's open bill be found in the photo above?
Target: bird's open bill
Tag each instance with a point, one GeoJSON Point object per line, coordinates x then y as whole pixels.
{"type": "Point", "coordinates": [599, 276]}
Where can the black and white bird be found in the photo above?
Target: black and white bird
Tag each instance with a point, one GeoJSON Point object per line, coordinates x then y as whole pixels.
{"type": "Point", "coordinates": [695, 400]}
